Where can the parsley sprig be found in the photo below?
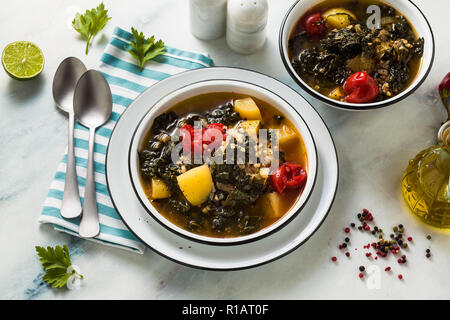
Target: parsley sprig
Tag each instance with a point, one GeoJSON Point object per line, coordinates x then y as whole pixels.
{"type": "Point", "coordinates": [144, 49]}
{"type": "Point", "coordinates": [56, 261]}
{"type": "Point", "coordinates": [91, 22]}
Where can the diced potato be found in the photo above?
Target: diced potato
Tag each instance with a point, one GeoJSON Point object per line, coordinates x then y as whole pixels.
{"type": "Point", "coordinates": [251, 127]}
{"type": "Point", "coordinates": [159, 189]}
{"type": "Point", "coordinates": [271, 204]}
{"type": "Point", "coordinates": [247, 109]}
{"type": "Point", "coordinates": [361, 63]}
{"type": "Point", "coordinates": [337, 93]}
{"type": "Point", "coordinates": [338, 17]}
{"type": "Point", "coordinates": [286, 136]}
{"type": "Point", "coordinates": [196, 184]}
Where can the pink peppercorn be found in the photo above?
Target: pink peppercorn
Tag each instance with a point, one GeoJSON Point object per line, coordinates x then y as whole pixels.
{"type": "Point", "coordinates": [347, 230]}
{"type": "Point", "coordinates": [400, 276]}
{"type": "Point", "coordinates": [387, 269]}
{"type": "Point", "coordinates": [409, 239]}
{"type": "Point", "coordinates": [334, 259]}
{"type": "Point", "coordinates": [361, 275]}
{"type": "Point", "coordinates": [347, 254]}
{"type": "Point", "coordinates": [399, 260]}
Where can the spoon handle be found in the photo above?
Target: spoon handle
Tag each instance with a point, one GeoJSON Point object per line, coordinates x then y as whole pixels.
{"type": "Point", "coordinates": [71, 206]}
{"type": "Point", "coordinates": [89, 225]}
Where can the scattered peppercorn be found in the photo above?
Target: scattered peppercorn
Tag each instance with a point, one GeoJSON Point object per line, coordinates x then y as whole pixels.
{"type": "Point", "coordinates": [352, 225]}
{"type": "Point", "coordinates": [347, 230]}
{"type": "Point", "coordinates": [334, 259]}
{"type": "Point", "coordinates": [428, 255]}
{"type": "Point", "coordinates": [429, 237]}
{"type": "Point", "coordinates": [409, 239]}
{"type": "Point", "coordinates": [347, 239]}
{"type": "Point", "coordinates": [347, 254]}
{"type": "Point", "coordinates": [428, 250]}
{"type": "Point", "coordinates": [400, 276]}
{"type": "Point", "coordinates": [362, 268]}
{"type": "Point", "coordinates": [361, 275]}
{"type": "Point", "coordinates": [387, 269]}
{"type": "Point", "coordinates": [344, 245]}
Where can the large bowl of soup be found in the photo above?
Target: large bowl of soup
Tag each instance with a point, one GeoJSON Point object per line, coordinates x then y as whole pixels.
{"type": "Point", "coordinates": [357, 55]}
{"type": "Point", "coordinates": [223, 162]}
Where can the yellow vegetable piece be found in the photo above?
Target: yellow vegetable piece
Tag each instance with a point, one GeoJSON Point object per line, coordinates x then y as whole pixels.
{"type": "Point", "coordinates": [251, 127]}
{"type": "Point", "coordinates": [272, 205]}
{"type": "Point", "coordinates": [286, 136]}
{"type": "Point", "coordinates": [338, 17]}
{"type": "Point", "coordinates": [159, 189]}
{"type": "Point", "coordinates": [196, 184]}
{"type": "Point", "coordinates": [337, 93]}
{"type": "Point", "coordinates": [247, 109]}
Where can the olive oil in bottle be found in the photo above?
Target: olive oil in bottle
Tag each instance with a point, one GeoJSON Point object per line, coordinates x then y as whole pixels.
{"type": "Point", "coordinates": [425, 183]}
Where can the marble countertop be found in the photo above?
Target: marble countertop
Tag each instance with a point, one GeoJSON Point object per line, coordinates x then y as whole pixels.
{"type": "Point", "coordinates": [373, 147]}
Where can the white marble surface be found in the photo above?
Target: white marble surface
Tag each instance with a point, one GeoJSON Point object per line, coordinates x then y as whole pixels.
{"type": "Point", "coordinates": [373, 147]}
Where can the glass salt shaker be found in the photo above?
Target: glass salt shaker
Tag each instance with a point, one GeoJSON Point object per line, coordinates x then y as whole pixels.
{"type": "Point", "coordinates": [246, 25]}
{"type": "Point", "coordinates": [208, 18]}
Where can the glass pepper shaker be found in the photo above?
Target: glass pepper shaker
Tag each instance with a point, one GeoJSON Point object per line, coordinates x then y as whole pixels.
{"type": "Point", "coordinates": [208, 18]}
{"type": "Point", "coordinates": [246, 25]}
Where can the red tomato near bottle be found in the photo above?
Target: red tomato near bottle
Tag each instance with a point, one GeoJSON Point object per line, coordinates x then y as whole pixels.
{"type": "Point", "coordinates": [315, 25]}
{"type": "Point", "coordinates": [361, 88]}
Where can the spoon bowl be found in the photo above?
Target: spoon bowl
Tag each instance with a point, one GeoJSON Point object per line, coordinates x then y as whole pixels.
{"type": "Point", "coordinates": [64, 82]}
{"type": "Point", "coordinates": [92, 103]}
{"type": "Point", "coordinates": [92, 99]}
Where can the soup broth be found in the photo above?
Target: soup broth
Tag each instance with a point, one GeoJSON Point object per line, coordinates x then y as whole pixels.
{"type": "Point", "coordinates": [257, 204]}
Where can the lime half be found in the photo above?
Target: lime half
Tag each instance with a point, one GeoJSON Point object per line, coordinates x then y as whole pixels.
{"type": "Point", "coordinates": [22, 60]}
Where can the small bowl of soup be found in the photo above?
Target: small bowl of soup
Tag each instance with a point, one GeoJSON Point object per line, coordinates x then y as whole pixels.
{"type": "Point", "coordinates": [223, 162]}
{"type": "Point", "coordinates": [357, 55]}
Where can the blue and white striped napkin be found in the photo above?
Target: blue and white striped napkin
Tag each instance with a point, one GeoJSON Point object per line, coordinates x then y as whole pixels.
{"type": "Point", "coordinates": [126, 82]}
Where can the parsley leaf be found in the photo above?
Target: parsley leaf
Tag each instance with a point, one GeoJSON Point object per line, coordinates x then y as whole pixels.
{"type": "Point", "coordinates": [91, 22]}
{"type": "Point", "coordinates": [144, 49]}
{"type": "Point", "coordinates": [56, 261]}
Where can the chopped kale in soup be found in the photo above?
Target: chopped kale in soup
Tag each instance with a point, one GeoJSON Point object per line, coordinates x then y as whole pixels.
{"type": "Point", "coordinates": [335, 52]}
{"type": "Point", "coordinates": [221, 199]}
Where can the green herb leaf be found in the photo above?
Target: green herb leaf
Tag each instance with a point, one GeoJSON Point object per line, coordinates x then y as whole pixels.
{"type": "Point", "coordinates": [91, 22]}
{"type": "Point", "coordinates": [55, 261]}
{"type": "Point", "coordinates": [144, 49]}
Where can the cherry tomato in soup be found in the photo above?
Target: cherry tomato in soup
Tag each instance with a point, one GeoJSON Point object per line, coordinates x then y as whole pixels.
{"type": "Point", "coordinates": [288, 176]}
{"type": "Point", "coordinates": [192, 138]}
{"type": "Point", "coordinates": [315, 25]}
{"type": "Point", "coordinates": [361, 88]}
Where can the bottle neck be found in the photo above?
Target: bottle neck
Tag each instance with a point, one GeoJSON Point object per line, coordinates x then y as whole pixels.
{"type": "Point", "coordinates": [444, 136]}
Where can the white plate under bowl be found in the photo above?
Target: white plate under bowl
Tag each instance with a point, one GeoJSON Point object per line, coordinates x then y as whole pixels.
{"type": "Point", "coordinates": [238, 87]}
{"type": "Point", "coordinates": [207, 256]}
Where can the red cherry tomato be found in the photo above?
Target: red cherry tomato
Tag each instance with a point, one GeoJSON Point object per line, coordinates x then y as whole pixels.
{"type": "Point", "coordinates": [278, 180]}
{"type": "Point", "coordinates": [288, 175]}
{"type": "Point", "coordinates": [208, 136]}
{"type": "Point", "coordinates": [192, 138]}
{"type": "Point", "coordinates": [361, 88]}
{"type": "Point", "coordinates": [315, 25]}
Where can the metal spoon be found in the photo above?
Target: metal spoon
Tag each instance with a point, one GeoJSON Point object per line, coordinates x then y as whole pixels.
{"type": "Point", "coordinates": [92, 103]}
{"type": "Point", "coordinates": [64, 82]}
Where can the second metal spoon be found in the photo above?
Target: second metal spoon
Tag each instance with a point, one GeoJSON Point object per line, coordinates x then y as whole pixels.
{"type": "Point", "coordinates": [92, 103]}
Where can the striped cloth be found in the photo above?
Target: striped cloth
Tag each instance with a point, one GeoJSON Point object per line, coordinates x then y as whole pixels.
{"type": "Point", "coordinates": [126, 82]}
